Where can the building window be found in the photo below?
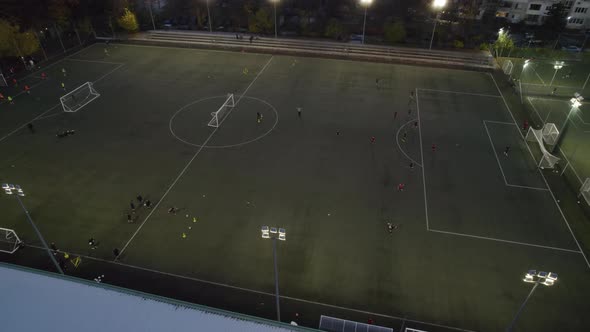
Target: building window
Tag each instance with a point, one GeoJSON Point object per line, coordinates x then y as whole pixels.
{"type": "Point", "coordinates": [532, 18]}
{"type": "Point", "coordinates": [568, 4]}
{"type": "Point", "coordinates": [581, 10]}
{"type": "Point", "coordinates": [535, 7]}
{"type": "Point", "coordinates": [576, 21]}
{"type": "Point", "coordinates": [516, 6]}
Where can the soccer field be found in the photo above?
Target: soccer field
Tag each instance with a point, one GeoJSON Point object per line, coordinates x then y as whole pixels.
{"type": "Point", "coordinates": [469, 223]}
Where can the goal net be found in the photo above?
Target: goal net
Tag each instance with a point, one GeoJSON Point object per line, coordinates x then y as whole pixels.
{"type": "Point", "coordinates": [547, 160]}
{"type": "Point", "coordinates": [550, 133]}
{"type": "Point", "coordinates": [3, 80]}
{"type": "Point", "coordinates": [217, 116]}
{"type": "Point", "coordinates": [79, 97]}
{"type": "Point", "coordinates": [507, 67]}
{"type": "Point", "coordinates": [9, 241]}
{"type": "Point", "coordinates": [585, 190]}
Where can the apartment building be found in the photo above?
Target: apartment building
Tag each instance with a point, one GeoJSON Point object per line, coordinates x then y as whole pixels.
{"type": "Point", "coordinates": [535, 12]}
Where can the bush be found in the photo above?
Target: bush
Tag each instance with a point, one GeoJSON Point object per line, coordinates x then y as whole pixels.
{"type": "Point", "coordinates": [394, 32]}
{"type": "Point", "coordinates": [458, 44]}
{"type": "Point", "coordinates": [128, 21]}
{"type": "Point", "coordinates": [334, 29]}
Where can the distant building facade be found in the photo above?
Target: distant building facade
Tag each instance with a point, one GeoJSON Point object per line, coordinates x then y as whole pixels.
{"type": "Point", "coordinates": [535, 12]}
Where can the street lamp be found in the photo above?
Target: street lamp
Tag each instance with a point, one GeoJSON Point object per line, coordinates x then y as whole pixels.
{"type": "Point", "coordinates": [532, 276]}
{"type": "Point", "coordinates": [209, 16]}
{"type": "Point", "coordinates": [11, 189]}
{"type": "Point", "coordinates": [274, 234]}
{"type": "Point", "coordinates": [527, 62]}
{"type": "Point", "coordinates": [365, 3]}
{"type": "Point", "coordinates": [557, 66]}
{"type": "Point", "coordinates": [575, 103]}
{"type": "Point", "coordinates": [275, 7]}
{"type": "Point", "coordinates": [152, 15]}
{"type": "Point", "coordinates": [437, 5]}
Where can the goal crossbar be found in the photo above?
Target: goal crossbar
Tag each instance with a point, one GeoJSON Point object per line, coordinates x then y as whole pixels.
{"type": "Point", "coordinates": [217, 116]}
{"type": "Point", "coordinates": [79, 97]}
{"type": "Point", "coordinates": [547, 160]}
{"type": "Point", "coordinates": [9, 241]}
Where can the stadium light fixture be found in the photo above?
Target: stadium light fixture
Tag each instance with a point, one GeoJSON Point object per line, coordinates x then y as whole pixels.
{"type": "Point", "coordinates": [557, 66]}
{"type": "Point", "coordinates": [532, 276]}
{"type": "Point", "coordinates": [11, 189]}
{"type": "Point", "coordinates": [365, 3]}
{"type": "Point", "coordinates": [437, 5]}
{"type": "Point", "coordinates": [275, 233]}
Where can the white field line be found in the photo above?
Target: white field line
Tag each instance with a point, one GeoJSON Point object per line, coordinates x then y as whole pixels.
{"type": "Point", "coordinates": [96, 61]}
{"type": "Point", "coordinates": [40, 116]}
{"type": "Point", "coordinates": [495, 153]}
{"type": "Point", "coordinates": [253, 290]}
{"type": "Point", "coordinates": [505, 241]}
{"type": "Point", "coordinates": [462, 93]}
{"type": "Point", "coordinates": [400, 147]}
{"type": "Point", "coordinates": [191, 160]}
{"type": "Point", "coordinates": [500, 122]}
{"type": "Point", "coordinates": [25, 124]}
{"type": "Point", "coordinates": [543, 176]}
{"type": "Point", "coordinates": [559, 148]}
{"type": "Point", "coordinates": [422, 158]}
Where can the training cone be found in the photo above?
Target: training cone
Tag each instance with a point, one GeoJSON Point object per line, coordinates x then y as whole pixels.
{"type": "Point", "coordinates": [184, 235]}
{"type": "Point", "coordinates": [194, 219]}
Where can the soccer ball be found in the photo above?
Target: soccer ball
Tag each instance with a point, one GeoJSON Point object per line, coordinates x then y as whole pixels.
{"type": "Point", "coordinates": [186, 216]}
{"type": "Point", "coordinates": [190, 227]}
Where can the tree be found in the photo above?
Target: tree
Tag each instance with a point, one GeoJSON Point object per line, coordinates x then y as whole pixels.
{"type": "Point", "coordinates": [128, 21]}
{"type": "Point", "coordinates": [13, 42]}
{"type": "Point", "coordinates": [394, 32]}
{"type": "Point", "coordinates": [503, 43]}
{"type": "Point", "coordinates": [60, 11]}
{"type": "Point", "coordinates": [260, 22]}
{"type": "Point", "coordinates": [556, 17]}
{"type": "Point", "coordinates": [334, 29]}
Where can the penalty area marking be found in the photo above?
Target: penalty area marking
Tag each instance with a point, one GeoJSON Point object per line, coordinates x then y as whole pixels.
{"type": "Point", "coordinates": [399, 145]}
{"type": "Point", "coordinates": [183, 108]}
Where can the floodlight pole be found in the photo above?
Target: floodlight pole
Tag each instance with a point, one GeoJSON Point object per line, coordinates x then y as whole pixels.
{"type": "Point", "coordinates": [59, 36]}
{"type": "Point", "coordinates": [434, 29]}
{"type": "Point", "coordinates": [277, 297]}
{"type": "Point", "coordinates": [275, 7]}
{"type": "Point", "coordinates": [555, 73]}
{"type": "Point", "coordinates": [509, 329]}
{"type": "Point", "coordinates": [209, 16]}
{"type": "Point", "coordinates": [152, 15]}
{"type": "Point", "coordinates": [563, 128]}
{"type": "Point", "coordinates": [49, 253]}
{"type": "Point", "coordinates": [365, 22]}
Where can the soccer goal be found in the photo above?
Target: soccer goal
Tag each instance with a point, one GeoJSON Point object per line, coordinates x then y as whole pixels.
{"type": "Point", "coordinates": [547, 160]}
{"type": "Point", "coordinates": [507, 67]}
{"type": "Point", "coordinates": [3, 80]}
{"type": "Point", "coordinates": [585, 191]}
{"type": "Point", "coordinates": [79, 97]}
{"type": "Point", "coordinates": [550, 133]}
{"type": "Point", "coordinates": [9, 241]}
{"type": "Point", "coordinates": [217, 116]}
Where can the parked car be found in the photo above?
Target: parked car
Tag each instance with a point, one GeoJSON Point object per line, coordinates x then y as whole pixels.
{"type": "Point", "coordinates": [571, 48]}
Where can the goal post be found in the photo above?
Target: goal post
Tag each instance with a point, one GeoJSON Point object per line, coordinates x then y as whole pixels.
{"type": "Point", "coordinates": [550, 133]}
{"type": "Point", "coordinates": [217, 116]}
{"type": "Point", "coordinates": [585, 191]}
{"type": "Point", "coordinates": [3, 80]}
{"type": "Point", "coordinates": [507, 67]}
{"type": "Point", "coordinates": [9, 241]}
{"type": "Point", "coordinates": [79, 97]}
{"type": "Point", "coordinates": [547, 160]}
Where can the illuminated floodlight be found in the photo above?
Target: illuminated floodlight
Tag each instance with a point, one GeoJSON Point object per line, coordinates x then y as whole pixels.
{"type": "Point", "coordinates": [366, 2]}
{"type": "Point", "coordinates": [558, 65]}
{"type": "Point", "coordinates": [526, 63]}
{"type": "Point", "coordinates": [439, 3]}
